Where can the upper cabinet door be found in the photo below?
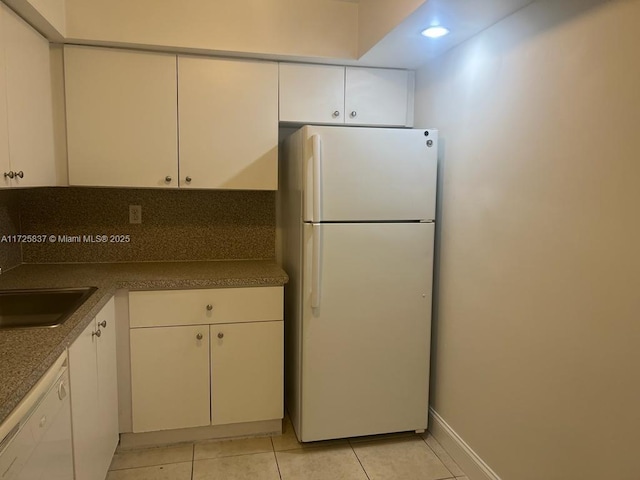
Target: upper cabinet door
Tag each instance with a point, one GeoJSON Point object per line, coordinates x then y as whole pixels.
{"type": "Point", "coordinates": [311, 93]}
{"type": "Point", "coordinates": [121, 117]}
{"type": "Point", "coordinates": [4, 129]}
{"type": "Point", "coordinates": [376, 96]}
{"type": "Point", "coordinates": [29, 108]}
{"type": "Point", "coordinates": [228, 120]}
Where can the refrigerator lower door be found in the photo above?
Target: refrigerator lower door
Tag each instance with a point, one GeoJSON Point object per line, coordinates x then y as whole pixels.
{"type": "Point", "coordinates": [366, 321]}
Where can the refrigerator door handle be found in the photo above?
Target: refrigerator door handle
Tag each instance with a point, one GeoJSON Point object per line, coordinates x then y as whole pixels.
{"type": "Point", "coordinates": [316, 265]}
{"type": "Point", "coordinates": [317, 177]}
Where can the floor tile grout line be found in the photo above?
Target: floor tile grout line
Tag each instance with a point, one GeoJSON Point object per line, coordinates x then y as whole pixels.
{"type": "Point", "coordinates": [358, 458]}
{"type": "Point", "coordinates": [193, 459]}
{"type": "Point", "coordinates": [148, 466]}
{"type": "Point", "coordinates": [234, 455]}
{"type": "Point", "coordinates": [276, 458]}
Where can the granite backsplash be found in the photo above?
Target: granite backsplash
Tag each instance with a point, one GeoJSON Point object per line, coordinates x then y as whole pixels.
{"type": "Point", "coordinates": [10, 253]}
{"type": "Point", "coordinates": [176, 224]}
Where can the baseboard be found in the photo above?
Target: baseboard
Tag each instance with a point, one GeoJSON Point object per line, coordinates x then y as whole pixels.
{"type": "Point", "coordinates": [470, 462]}
{"type": "Point", "coordinates": [195, 434]}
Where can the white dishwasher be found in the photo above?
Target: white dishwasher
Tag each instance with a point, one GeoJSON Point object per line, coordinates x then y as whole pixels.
{"type": "Point", "coordinates": [35, 440]}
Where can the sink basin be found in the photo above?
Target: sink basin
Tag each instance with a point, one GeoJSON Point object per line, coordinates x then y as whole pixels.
{"type": "Point", "coordinates": [41, 307]}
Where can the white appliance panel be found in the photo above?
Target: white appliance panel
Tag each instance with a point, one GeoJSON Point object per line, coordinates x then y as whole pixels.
{"type": "Point", "coordinates": [35, 440]}
{"type": "Point", "coordinates": [368, 174]}
{"type": "Point", "coordinates": [365, 348]}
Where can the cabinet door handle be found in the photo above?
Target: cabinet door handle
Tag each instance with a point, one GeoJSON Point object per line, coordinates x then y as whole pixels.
{"type": "Point", "coordinates": [199, 336]}
{"type": "Point", "coordinates": [353, 114]}
{"type": "Point", "coordinates": [336, 114]}
{"type": "Point", "coordinates": [9, 174]}
{"type": "Point", "coordinates": [220, 335]}
{"type": "Point", "coordinates": [62, 391]}
{"type": "Point", "coordinates": [209, 307]}
{"type": "Point", "coordinates": [20, 174]}
{"type": "Point", "coordinates": [167, 179]}
{"type": "Point", "coordinates": [188, 179]}
{"type": "Point", "coordinates": [102, 324]}
{"type": "Point", "coordinates": [97, 333]}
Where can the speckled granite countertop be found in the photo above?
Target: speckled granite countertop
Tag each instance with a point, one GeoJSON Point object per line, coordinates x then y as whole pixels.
{"type": "Point", "coordinates": [25, 355]}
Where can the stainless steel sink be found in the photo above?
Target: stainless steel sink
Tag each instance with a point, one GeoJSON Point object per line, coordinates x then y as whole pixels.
{"type": "Point", "coordinates": [40, 307]}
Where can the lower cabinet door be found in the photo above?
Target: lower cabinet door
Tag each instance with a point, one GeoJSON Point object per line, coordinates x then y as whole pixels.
{"type": "Point", "coordinates": [170, 378]}
{"type": "Point", "coordinates": [246, 372]}
{"type": "Point", "coordinates": [83, 384]}
{"type": "Point", "coordinates": [107, 385]}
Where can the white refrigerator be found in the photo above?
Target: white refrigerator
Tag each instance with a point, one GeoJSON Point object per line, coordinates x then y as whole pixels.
{"type": "Point", "coordinates": [356, 210]}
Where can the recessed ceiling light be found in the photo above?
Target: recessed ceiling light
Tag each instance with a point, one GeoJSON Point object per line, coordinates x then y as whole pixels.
{"type": "Point", "coordinates": [435, 32]}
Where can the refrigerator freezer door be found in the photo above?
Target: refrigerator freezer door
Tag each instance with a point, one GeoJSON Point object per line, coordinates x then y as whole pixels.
{"type": "Point", "coordinates": [368, 174]}
{"type": "Point", "coordinates": [365, 348]}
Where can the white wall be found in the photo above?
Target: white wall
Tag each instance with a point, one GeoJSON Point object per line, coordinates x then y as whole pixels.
{"type": "Point", "coordinates": [537, 341]}
{"type": "Point", "coordinates": [310, 28]}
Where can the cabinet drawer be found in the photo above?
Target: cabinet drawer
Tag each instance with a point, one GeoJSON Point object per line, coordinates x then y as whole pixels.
{"type": "Point", "coordinates": [206, 306]}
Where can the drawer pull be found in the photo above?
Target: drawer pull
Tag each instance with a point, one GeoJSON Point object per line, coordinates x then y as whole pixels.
{"type": "Point", "coordinates": [199, 336]}
{"type": "Point", "coordinates": [220, 335]}
{"type": "Point", "coordinates": [209, 307]}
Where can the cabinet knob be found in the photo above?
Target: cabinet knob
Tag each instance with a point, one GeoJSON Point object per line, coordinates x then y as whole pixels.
{"type": "Point", "coordinates": [220, 335]}
{"type": "Point", "coordinates": [336, 114]}
{"type": "Point", "coordinates": [9, 174]}
{"type": "Point", "coordinates": [97, 333]}
{"type": "Point", "coordinates": [102, 324]}
{"type": "Point", "coordinates": [199, 336]}
{"type": "Point", "coordinates": [209, 307]}
{"type": "Point", "coordinates": [167, 179]}
{"type": "Point", "coordinates": [20, 174]}
{"type": "Point", "coordinates": [188, 179]}
{"type": "Point", "coordinates": [353, 114]}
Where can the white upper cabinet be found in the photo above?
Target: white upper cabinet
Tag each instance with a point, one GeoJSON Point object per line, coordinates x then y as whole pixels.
{"type": "Point", "coordinates": [121, 117]}
{"type": "Point", "coordinates": [311, 93]}
{"type": "Point", "coordinates": [374, 96]}
{"type": "Point", "coordinates": [346, 95]}
{"type": "Point", "coordinates": [126, 111]}
{"type": "Point", "coordinates": [5, 166]}
{"type": "Point", "coordinates": [228, 118]}
{"type": "Point", "coordinates": [26, 127]}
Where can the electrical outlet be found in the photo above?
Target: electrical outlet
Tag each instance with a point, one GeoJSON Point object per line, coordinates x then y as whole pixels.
{"type": "Point", "coordinates": [135, 213]}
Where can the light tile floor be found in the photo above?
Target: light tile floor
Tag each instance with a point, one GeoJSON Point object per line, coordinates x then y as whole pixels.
{"type": "Point", "coordinates": [404, 456]}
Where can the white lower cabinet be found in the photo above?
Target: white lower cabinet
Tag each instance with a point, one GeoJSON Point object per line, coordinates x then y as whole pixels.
{"type": "Point", "coordinates": [246, 372]}
{"type": "Point", "coordinates": [94, 396]}
{"type": "Point", "coordinates": [170, 377]}
{"type": "Point", "coordinates": [226, 371]}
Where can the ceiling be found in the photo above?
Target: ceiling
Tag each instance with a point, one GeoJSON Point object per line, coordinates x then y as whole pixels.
{"type": "Point", "coordinates": [404, 47]}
